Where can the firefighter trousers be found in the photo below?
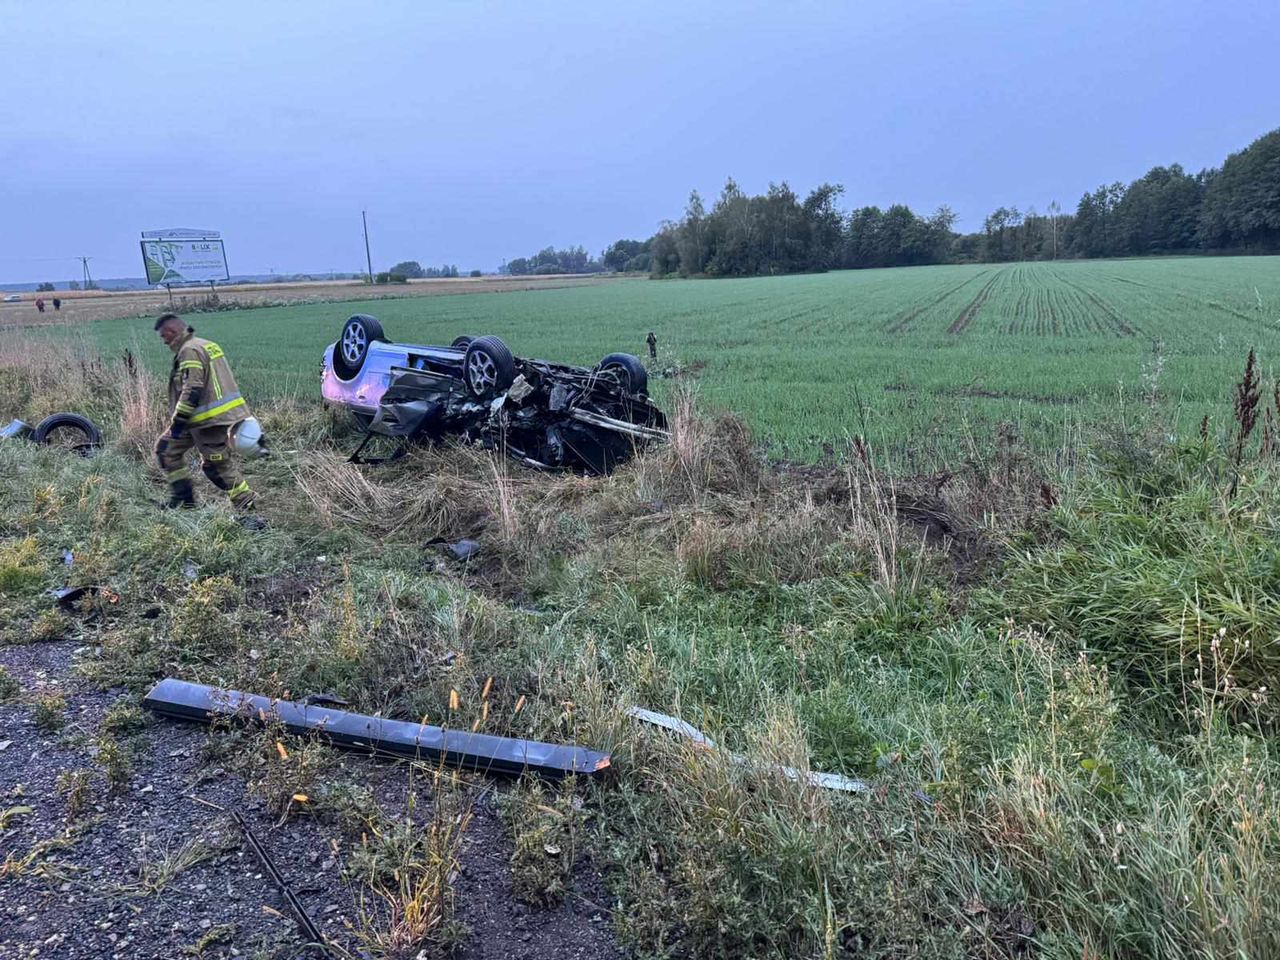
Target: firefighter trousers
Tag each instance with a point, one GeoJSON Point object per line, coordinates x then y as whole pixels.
{"type": "Point", "coordinates": [216, 462]}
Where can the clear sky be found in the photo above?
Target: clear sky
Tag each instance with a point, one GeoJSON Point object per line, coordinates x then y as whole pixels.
{"type": "Point", "coordinates": [477, 132]}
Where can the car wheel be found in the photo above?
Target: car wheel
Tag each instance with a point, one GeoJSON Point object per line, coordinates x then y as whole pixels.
{"type": "Point", "coordinates": [488, 367]}
{"type": "Point", "coordinates": [69, 431]}
{"type": "Point", "coordinates": [462, 342]}
{"type": "Point", "coordinates": [352, 347]}
{"type": "Point", "coordinates": [631, 372]}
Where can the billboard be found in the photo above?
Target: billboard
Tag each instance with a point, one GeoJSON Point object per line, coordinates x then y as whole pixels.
{"type": "Point", "coordinates": [184, 256]}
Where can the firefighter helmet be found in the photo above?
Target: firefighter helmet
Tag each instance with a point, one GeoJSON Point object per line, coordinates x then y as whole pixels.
{"type": "Point", "coordinates": [246, 436]}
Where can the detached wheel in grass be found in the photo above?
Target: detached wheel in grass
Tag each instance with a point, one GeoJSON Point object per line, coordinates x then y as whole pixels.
{"type": "Point", "coordinates": [68, 431]}
{"type": "Point", "coordinates": [352, 347]}
{"type": "Point", "coordinates": [488, 367]}
{"type": "Point", "coordinates": [630, 371]}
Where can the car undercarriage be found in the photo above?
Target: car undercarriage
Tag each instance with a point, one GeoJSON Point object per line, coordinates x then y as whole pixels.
{"type": "Point", "coordinates": [545, 415]}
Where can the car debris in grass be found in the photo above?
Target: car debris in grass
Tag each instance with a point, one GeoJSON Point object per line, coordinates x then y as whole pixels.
{"type": "Point", "coordinates": [461, 550]}
{"type": "Point", "coordinates": [70, 431]}
{"type": "Point", "coordinates": [70, 598]}
{"type": "Point", "coordinates": [181, 700]}
{"type": "Point", "coordinates": [828, 781]}
{"type": "Point", "coordinates": [545, 415]}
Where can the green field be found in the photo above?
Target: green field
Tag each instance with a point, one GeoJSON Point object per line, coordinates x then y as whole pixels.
{"type": "Point", "coordinates": [919, 358]}
{"type": "Point", "coordinates": [1059, 682]}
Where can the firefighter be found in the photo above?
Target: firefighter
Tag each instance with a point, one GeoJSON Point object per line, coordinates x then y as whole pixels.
{"type": "Point", "coordinates": [204, 406]}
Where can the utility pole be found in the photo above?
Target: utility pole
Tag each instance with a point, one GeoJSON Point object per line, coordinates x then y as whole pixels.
{"type": "Point", "coordinates": [1054, 210]}
{"type": "Point", "coordinates": [367, 259]}
{"type": "Point", "coordinates": [88, 280]}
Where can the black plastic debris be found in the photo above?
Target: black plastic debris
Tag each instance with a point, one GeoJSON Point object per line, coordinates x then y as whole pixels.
{"type": "Point", "coordinates": [181, 700]}
{"type": "Point", "coordinates": [73, 598]}
{"type": "Point", "coordinates": [70, 596]}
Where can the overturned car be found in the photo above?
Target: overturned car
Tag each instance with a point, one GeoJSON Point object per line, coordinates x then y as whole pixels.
{"type": "Point", "coordinates": [546, 415]}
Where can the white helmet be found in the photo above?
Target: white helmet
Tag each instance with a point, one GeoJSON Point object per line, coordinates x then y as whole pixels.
{"type": "Point", "coordinates": [246, 436]}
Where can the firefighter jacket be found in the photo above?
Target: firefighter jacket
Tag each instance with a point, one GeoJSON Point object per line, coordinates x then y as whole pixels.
{"type": "Point", "coordinates": [202, 391]}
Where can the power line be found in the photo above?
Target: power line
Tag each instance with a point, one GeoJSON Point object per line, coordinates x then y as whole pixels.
{"type": "Point", "coordinates": [38, 259]}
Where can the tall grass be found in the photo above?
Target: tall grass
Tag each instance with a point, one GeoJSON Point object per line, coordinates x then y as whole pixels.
{"type": "Point", "coordinates": [1078, 681]}
{"type": "Point", "coordinates": [1173, 579]}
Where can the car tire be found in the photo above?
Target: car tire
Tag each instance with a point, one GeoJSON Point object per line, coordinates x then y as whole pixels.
{"type": "Point", "coordinates": [462, 342]}
{"type": "Point", "coordinates": [352, 346]}
{"type": "Point", "coordinates": [487, 367]}
{"type": "Point", "coordinates": [632, 374]}
{"type": "Point", "coordinates": [73, 423]}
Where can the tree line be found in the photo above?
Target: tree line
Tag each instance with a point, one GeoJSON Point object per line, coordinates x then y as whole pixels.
{"type": "Point", "coordinates": [550, 260]}
{"type": "Point", "coordinates": [1234, 208]}
{"type": "Point", "coordinates": [413, 270]}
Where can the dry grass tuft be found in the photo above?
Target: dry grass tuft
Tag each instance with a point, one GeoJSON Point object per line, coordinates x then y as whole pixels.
{"type": "Point", "coordinates": [706, 455]}
{"type": "Point", "coordinates": [142, 407]}
{"type": "Point", "coordinates": [422, 496]}
{"type": "Point", "coordinates": [873, 513]}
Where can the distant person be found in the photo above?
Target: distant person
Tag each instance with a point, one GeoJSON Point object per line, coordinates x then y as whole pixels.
{"type": "Point", "coordinates": [204, 406]}
{"type": "Point", "coordinates": [40, 304]}
{"type": "Point", "coordinates": [652, 341]}
{"type": "Point", "coordinates": [57, 304]}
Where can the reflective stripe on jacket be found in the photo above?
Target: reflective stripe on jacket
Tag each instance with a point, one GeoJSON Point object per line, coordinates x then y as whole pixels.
{"type": "Point", "coordinates": [202, 390]}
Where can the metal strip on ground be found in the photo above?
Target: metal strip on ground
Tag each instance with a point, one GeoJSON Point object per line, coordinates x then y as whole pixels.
{"type": "Point", "coordinates": [396, 738]}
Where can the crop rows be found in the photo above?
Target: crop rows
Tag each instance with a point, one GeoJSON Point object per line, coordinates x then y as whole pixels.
{"type": "Point", "coordinates": [947, 353]}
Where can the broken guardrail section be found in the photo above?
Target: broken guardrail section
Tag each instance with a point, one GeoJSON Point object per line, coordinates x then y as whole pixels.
{"type": "Point", "coordinates": [828, 781]}
{"type": "Point", "coordinates": [181, 700]}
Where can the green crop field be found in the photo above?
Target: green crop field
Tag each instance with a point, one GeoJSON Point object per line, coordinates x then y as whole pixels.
{"type": "Point", "coordinates": [903, 355]}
